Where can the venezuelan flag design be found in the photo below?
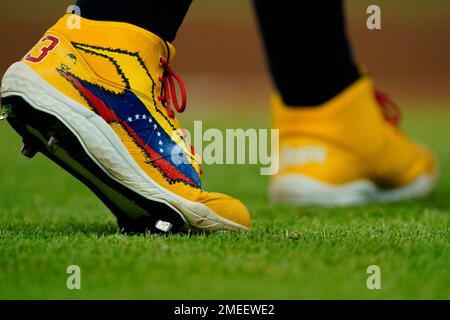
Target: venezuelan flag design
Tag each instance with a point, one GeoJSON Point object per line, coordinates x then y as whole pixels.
{"type": "Point", "coordinates": [130, 112]}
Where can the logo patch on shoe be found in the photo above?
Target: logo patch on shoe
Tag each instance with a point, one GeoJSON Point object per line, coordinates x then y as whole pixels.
{"type": "Point", "coordinates": [126, 109]}
{"type": "Point", "coordinates": [300, 156]}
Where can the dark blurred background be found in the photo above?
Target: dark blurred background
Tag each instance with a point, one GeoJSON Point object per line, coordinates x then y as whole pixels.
{"type": "Point", "coordinates": [220, 54]}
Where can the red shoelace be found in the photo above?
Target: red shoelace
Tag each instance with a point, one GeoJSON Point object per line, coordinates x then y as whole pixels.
{"type": "Point", "coordinates": [169, 90]}
{"type": "Point", "coordinates": [170, 93]}
{"type": "Point", "coordinates": [391, 111]}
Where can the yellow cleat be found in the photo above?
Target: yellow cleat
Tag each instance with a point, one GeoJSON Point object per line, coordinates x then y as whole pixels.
{"type": "Point", "coordinates": [348, 151]}
{"type": "Point", "coordinates": [99, 102]}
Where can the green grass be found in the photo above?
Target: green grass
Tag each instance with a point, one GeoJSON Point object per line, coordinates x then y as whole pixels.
{"type": "Point", "coordinates": [49, 221]}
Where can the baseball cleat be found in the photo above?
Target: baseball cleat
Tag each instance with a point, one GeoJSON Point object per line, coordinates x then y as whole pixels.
{"type": "Point", "coordinates": [52, 143]}
{"type": "Point", "coordinates": [349, 151]}
{"type": "Point", "coordinates": [28, 151]}
{"type": "Point", "coordinates": [98, 102]}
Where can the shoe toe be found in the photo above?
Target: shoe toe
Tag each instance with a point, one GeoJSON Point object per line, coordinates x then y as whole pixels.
{"type": "Point", "coordinates": [228, 208]}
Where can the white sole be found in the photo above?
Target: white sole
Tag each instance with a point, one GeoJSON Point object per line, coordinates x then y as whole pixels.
{"type": "Point", "coordinates": [303, 190]}
{"type": "Point", "coordinates": [104, 147]}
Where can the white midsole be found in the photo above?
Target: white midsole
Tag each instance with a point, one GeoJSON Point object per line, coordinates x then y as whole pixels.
{"type": "Point", "coordinates": [304, 190]}
{"type": "Point", "coordinates": [103, 146]}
